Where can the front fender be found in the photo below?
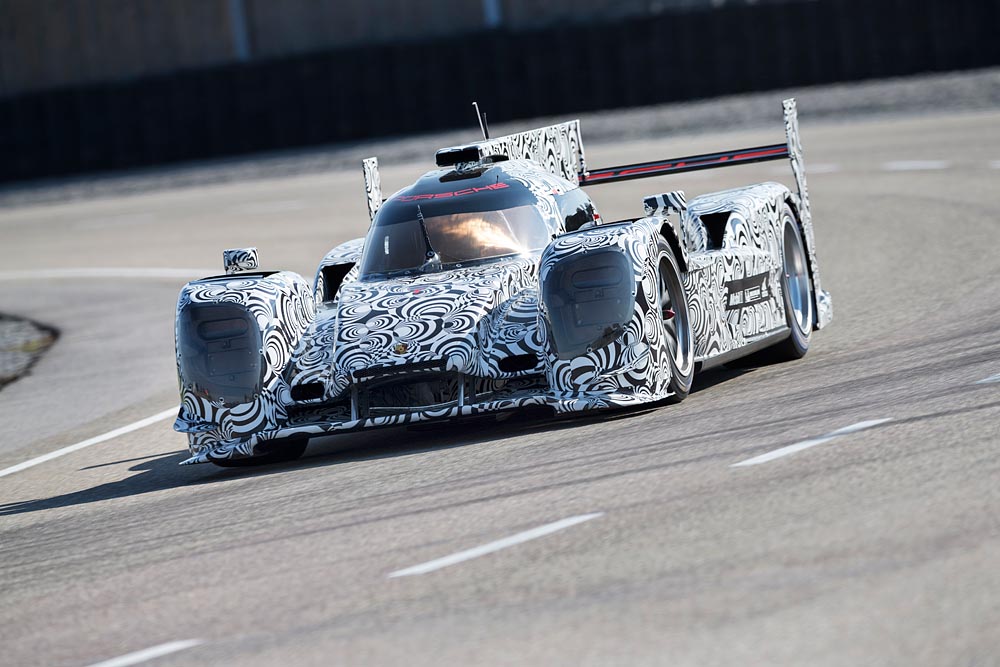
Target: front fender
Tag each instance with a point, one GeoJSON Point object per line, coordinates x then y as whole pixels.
{"type": "Point", "coordinates": [234, 337]}
{"type": "Point", "coordinates": [599, 310]}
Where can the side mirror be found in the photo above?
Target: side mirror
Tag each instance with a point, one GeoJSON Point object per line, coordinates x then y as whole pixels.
{"type": "Point", "coordinates": [239, 259]}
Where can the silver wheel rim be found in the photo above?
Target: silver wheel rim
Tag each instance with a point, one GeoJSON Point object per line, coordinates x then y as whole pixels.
{"type": "Point", "coordinates": [797, 279]}
{"type": "Point", "coordinates": [676, 326]}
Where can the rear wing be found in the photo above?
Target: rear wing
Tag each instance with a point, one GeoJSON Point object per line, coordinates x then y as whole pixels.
{"type": "Point", "coordinates": [559, 149]}
{"type": "Point", "coordinates": [791, 149]}
{"type": "Point", "coordinates": [681, 164]}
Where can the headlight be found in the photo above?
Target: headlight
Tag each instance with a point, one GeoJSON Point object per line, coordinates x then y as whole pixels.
{"type": "Point", "coordinates": [220, 352]}
{"type": "Point", "coordinates": [588, 301]}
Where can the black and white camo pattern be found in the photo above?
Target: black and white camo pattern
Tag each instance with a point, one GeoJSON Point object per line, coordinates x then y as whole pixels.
{"type": "Point", "coordinates": [236, 260]}
{"type": "Point", "coordinates": [470, 318]}
{"type": "Point", "coordinates": [437, 320]}
{"type": "Point", "coordinates": [510, 330]}
{"type": "Point", "coordinates": [476, 317]}
{"type": "Point", "coordinates": [668, 202]}
{"type": "Point", "coordinates": [373, 185]}
{"type": "Point", "coordinates": [751, 247]}
{"type": "Point", "coordinates": [635, 367]}
{"type": "Point", "coordinates": [672, 208]}
{"type": "Point", "coordinates": [282, 306]}
{"type": "Point", "coordinates": [557, 148]}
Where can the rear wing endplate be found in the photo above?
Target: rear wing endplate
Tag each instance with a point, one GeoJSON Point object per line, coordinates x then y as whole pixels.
{"type": "Point", "coordinates": [373, 185]}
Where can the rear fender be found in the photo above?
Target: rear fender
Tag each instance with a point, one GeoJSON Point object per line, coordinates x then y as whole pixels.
{"type": "Point", "coordinates": [822, 303]}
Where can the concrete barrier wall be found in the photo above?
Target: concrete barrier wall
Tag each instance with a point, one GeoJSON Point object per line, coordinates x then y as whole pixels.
{"type": "Point", "coordinates": [398, 88]}
{"type": "Point", "coordinates": [50, 43]}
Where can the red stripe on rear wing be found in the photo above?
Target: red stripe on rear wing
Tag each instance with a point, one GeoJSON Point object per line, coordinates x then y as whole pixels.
{"type": "Point", "coordinates": [678, 165]}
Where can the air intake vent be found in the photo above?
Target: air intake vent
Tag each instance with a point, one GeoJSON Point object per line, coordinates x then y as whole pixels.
{"type": "Point", "coordinates": [308, 391]}
{"type": "Point", "coordinates": [518, 362]}
{"type": "Point", "coordinates": [715, 226]}
{"type": "Point", "coordinates": [333, 277]}
{"type": "Point", "coordinates": [447, 157]}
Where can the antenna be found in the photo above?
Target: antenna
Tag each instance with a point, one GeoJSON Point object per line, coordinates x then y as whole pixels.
{"type": "Point", "coordinates": [482, 121]}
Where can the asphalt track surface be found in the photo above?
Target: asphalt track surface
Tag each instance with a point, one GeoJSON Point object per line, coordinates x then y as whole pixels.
{"type": "Point", "coordinates": [616, 538]}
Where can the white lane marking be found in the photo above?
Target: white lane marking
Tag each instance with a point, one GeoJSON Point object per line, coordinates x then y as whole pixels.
{"type": "Point", "coordinates": [915, 165]}
{"type": "Point", "coordinates": [149, 653]}
{"type": "Point", "coordinates": [806, 444]}
{"type": "Point", "coordinates": [991, 379]}
{"type": "Point", "coordinates": [105, 272]}
{"type": "Point", "coordinates": [476, 552]}
{"type": "Point", "coordinates": [266, 207]}
{"type": "Point", "coordinates": [134, 426]}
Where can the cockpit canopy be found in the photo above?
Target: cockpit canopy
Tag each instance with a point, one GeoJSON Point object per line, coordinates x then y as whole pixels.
{"type": "Point", "coordinates": [444, 222]}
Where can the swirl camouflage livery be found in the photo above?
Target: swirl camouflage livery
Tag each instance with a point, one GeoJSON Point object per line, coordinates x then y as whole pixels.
{"type": "Point", "coordinates": [492, 284]}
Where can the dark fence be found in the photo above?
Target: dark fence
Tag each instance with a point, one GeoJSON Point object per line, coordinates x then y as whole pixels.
{"type": "Point", "coordinates": [358, 93]}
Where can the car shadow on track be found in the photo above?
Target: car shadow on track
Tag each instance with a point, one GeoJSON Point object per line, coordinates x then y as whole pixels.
{"type": "Point", "coordinates": [156, 473]}
{"type": "Point", "coordinates": [427, 437]}
{"type": "Point", "coordinates": [161, 471]}
{"type": "Point", "coordinates": [709, 378]}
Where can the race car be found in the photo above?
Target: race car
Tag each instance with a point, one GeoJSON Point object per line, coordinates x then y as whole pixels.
{"type": "Point", "coordinates": [492, 283]}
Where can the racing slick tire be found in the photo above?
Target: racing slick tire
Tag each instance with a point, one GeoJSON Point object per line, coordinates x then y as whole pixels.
{"type": "Point", "coordinates": [284, 451]}
{"type": "Point", "coordinates": [796, 290]}
{"type": "Point", "coordinates": [676, 325]}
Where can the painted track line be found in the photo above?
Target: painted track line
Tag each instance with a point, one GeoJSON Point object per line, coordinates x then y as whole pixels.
{"type": "Point", "coordinates": [491, 547]}
{"type": "Point", "coordinates": [104, 272]}
{"type": "Point", "coordinates": [806, 444]}
{"type": "Point", "coordinates": [149, 653]}
{"type": "Point", "coordinates": [134, 426]}
{"type": "Point", "coordinates": [990, 380]}
{"type": "Point", "coordinates": [915, 165]}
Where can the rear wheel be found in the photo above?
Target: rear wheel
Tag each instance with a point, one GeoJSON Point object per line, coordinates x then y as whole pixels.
{"type": "Point", "coordinates": [677, 326]}
{"type": "Point", "coordinates": [796, 288]}
{"type": "Point", "coordinates": [281, 451]}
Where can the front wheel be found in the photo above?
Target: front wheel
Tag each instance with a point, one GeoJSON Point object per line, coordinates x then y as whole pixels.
{"type": "Point", "coordinates": [281, 451]}
{"type": "Point", "coordinates": [676, 326]}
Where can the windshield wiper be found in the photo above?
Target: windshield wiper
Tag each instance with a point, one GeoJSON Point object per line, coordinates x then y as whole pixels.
{"type": "Point", "coordinates": [433, 260]}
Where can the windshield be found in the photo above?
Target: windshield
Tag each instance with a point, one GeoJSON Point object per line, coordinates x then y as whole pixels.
{"type": "Point", "coordinates": [400, 247]}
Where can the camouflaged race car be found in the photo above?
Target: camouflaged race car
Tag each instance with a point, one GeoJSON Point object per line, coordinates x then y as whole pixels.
{"type": "Point", "coordinates": [492, 283]}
